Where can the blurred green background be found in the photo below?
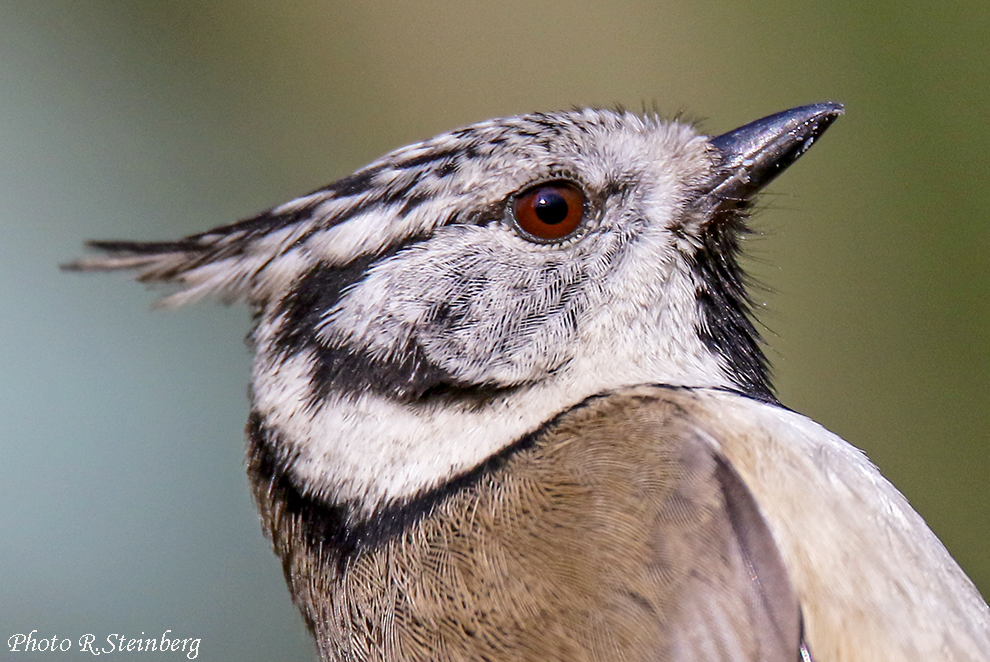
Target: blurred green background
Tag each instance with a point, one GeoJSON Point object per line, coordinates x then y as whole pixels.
{"type": "Point", "coordinates": [124, 506]}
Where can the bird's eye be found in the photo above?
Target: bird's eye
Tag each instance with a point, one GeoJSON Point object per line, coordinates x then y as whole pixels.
{"type": "Point", "coordinates": [549, 212]}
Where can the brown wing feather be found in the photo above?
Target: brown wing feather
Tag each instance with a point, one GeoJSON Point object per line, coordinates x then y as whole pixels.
{"type": "Point", "coordinates": [619, 534]}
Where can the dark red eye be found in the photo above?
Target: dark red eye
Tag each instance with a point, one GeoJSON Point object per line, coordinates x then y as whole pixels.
{"type": "Point", "coordinates": [550, 211]}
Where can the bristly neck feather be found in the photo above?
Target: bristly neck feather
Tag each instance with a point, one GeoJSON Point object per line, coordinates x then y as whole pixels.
{"type": "Point", "coordinates": [727, 321]}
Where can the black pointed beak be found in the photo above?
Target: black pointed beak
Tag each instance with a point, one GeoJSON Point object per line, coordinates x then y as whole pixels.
{"type": "Point", "coordinates": [754, 154]}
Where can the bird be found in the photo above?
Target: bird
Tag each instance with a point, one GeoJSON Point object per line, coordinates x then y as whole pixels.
{"type": "Point", "coordinates": [509, 402]}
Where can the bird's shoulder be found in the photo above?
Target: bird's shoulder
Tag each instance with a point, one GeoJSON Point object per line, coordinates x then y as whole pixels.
{"type": "Point", "coordinates": [874, 581]}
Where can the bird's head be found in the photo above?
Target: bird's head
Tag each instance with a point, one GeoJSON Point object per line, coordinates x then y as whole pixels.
{"type": "Point", "coordinates": [434, 307]}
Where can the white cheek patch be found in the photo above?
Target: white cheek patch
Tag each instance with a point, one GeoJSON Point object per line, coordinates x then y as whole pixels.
{"type": "Point", "coordinates": [368, 449]}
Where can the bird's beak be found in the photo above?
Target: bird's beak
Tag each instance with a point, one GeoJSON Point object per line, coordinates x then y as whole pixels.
{"type": "Point", "coordinates": [753, 155]}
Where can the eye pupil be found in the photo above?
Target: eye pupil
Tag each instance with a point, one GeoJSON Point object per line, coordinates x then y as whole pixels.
{"type": "Point", "coordinates": [549, 212]}
{"type": "Point", "coordinates": [551, 207]}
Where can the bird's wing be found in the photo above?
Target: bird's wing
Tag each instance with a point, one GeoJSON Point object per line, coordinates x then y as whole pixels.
{"type": "Point", "coordinates": [873, 581]}
{"type": "Point", "coordinates": [736, 601]}
{"type": "Point", "coordinates": [683, 563]}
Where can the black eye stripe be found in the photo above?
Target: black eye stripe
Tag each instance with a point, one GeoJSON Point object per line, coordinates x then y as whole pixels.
{"type": "Point", "coordinates": [311, 297]}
